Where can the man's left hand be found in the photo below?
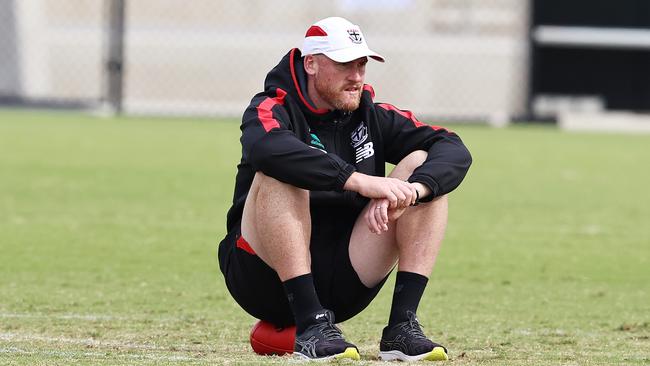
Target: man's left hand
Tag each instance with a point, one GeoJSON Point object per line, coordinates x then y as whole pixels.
{"type": "Point", "coordinates": [380, 214]}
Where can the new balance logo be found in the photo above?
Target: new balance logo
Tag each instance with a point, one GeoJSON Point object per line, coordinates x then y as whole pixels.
{"type": "Point", "coordinates": [318, 316]}
{"type": "Point", "coordinates": [364, 152]}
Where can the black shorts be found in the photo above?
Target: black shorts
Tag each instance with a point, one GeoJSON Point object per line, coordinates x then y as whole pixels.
{"type": "Point", "coordinates": [258, 290]}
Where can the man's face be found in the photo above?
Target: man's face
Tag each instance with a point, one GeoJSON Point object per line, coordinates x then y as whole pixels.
{"type": "Point", "coordinates": [340, 84]}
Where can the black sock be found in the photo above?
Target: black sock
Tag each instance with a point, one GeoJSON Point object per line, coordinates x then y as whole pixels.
{"type": "Point", "coordinates": [409, 288]}
{"type": "Point", "coordinates": [302, 299]}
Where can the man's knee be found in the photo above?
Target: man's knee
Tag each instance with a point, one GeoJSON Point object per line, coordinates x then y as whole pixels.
{"type": "Point", "coordinates": [263, 183]}
{"type": "Point", "coordinates": [408, 164]}
{"type": "Point", "coordinates": [444, 199]}
{"type": "Point", "coordinates": [267, 190]}
{"type": "Point", "coordinates": [261, 180]}
{"type": "Point", "coordinates": [276, 221]}
{"type": "Point", "coordinates": [414, 159]}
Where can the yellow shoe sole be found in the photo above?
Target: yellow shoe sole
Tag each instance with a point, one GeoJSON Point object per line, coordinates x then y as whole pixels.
{"type": "Point", "coordinates": [350, 353]}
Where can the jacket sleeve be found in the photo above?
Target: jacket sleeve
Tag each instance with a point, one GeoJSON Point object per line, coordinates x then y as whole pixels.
{"type": "Point", "coordinates": [270, 145]}
{"type": "Point", "coordinates": [448, 159]}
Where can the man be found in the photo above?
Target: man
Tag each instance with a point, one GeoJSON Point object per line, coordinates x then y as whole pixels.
{"type": "Point", "coordinates": [315, 227]}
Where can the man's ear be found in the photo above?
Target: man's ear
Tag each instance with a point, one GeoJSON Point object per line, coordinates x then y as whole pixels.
{"type": "Point", "coordinates": [310, 64]}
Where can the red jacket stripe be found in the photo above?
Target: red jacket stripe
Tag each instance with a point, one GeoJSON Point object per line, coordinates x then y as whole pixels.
{"type": "Point", "coordinates": [409, 115]}
{"type": "Point", "coordinates": [369, 89]}
{"type": "Point", "coordinates": [243, 245]}
{"type": "Point", "coordinates": [265, 110]}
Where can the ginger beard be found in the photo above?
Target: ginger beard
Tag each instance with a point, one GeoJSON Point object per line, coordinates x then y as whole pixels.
{"type": "Point", "coordinates": [344, 96]}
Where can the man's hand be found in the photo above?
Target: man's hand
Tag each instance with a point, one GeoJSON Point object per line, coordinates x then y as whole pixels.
{"type": "Point", "coordinates": [379, 215]}
{"type": "Point", "coordinates": [390, 198]}
{"type": "Point", "coordinates": [397, 193]}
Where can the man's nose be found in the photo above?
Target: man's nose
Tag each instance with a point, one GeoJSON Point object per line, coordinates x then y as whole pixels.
{"type": "Point", "coordinates": [356, 75]}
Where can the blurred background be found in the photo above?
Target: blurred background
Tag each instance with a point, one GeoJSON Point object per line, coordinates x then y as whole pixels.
{"type": "Point", "coordinates": [492, 61]}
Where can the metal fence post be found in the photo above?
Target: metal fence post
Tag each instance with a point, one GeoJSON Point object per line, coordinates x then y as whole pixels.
{"type": "Point", "coordinates": [115, 55]}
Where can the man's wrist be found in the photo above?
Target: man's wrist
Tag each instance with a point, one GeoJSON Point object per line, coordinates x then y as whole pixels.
{"type": "Point", "coordinates": [422, 190]}
{"type": "Point", "coordinates": [417, 198]}
{"type": "Point", "coordinates": [352, 183]}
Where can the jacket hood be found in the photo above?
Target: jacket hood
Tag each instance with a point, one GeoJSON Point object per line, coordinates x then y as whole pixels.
{"type": "Point", "coordinates": [289, 75]}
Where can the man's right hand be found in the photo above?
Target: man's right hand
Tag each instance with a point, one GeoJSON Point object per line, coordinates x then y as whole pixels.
{"type": "Point", "coordinates": [400, 194]}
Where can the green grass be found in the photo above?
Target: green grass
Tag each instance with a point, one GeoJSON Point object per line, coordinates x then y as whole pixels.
{"type": "Point", "coordinates": [109, 229]}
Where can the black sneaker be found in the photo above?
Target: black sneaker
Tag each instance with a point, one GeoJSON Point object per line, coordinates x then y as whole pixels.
{"type": "Point", "coordinates": [406, 342]}
{"type": "Point", "coordinates": [323, 340]}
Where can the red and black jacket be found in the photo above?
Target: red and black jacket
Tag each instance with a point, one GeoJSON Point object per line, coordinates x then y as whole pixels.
{"type": "Point", "coordinates": [287, 138]}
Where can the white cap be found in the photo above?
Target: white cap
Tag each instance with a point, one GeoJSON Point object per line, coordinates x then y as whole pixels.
{"type": "Point", "coordinates": [337, 39]}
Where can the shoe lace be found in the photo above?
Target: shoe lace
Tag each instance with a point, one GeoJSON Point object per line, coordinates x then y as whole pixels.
{"type": "Point", "coordinates": [413, 328]}
{"type": "Point", "coordinates": [329, 331]}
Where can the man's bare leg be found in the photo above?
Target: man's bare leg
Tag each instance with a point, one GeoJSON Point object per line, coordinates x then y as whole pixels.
{"type": "Point", "coordinates": [414, 239]}
{"type": "Point", "coordinates": [420, 231]}
{"type": "Point", "coordinates": [277, 225]}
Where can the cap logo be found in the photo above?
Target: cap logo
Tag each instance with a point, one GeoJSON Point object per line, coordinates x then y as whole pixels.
{"type": "Point", "coordinates": [355, 36]}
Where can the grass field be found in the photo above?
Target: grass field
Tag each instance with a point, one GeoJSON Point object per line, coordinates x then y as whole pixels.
{"type": "Point", "coordinates": [109, 229]}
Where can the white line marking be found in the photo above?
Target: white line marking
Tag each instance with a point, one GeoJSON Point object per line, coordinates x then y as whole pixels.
{"type": "Point", "coordinates": [98, 317]}
{"type": "Point", "coordinates": [89, 342]}
{"type": "Point", "coordinates": [72, 354]}
{"type": "Point", "coordinates": [91, 317]}
{"type": "Point", "coordinates": [18, 337]}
